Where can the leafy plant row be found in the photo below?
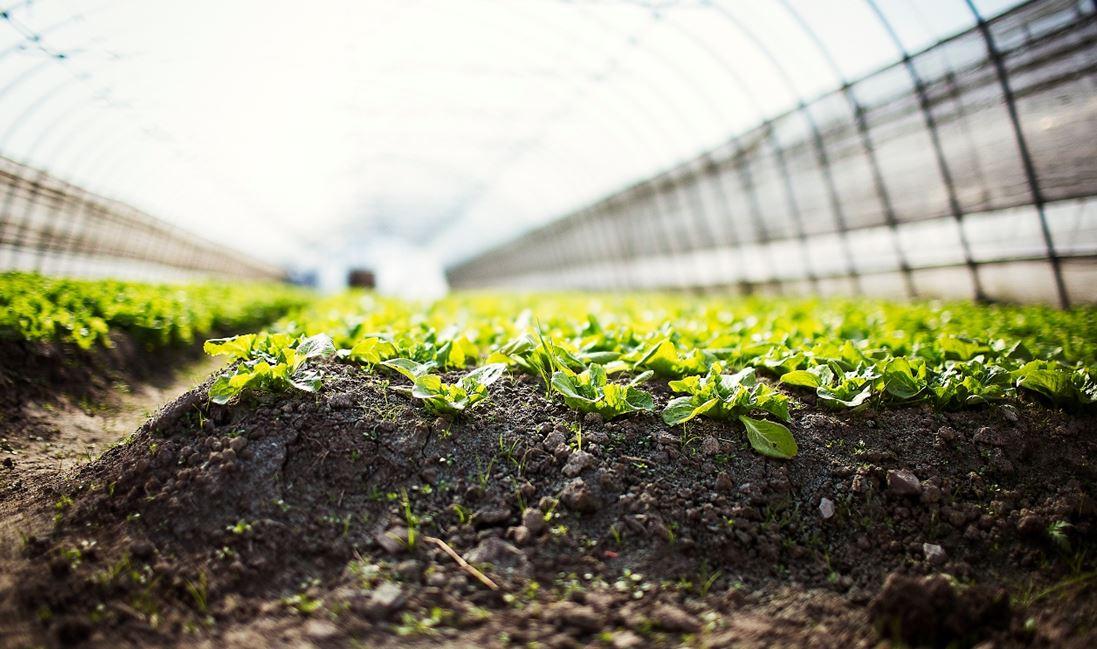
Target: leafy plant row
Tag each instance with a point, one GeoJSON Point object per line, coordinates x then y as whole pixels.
{"type": "Point", "coordinates": [596, 353]}
{"type": "Point", "coordinates": [85, 312]}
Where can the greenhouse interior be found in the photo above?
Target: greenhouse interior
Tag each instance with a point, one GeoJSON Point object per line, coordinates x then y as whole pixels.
{"type": "Point", "coordinates": [548, 323]}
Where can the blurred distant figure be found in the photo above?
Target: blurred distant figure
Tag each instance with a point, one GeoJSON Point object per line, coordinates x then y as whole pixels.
{"type": "Point", "coordinates": [361, 278]}
{"type": "Point", "coordinates": [389, 265]}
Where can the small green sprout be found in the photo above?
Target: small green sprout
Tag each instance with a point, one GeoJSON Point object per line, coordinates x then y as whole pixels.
{"type": "Point", "coordinates": [447, 398]}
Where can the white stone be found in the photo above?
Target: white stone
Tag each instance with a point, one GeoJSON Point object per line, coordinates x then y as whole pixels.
{"type": "Point", "coordinates": [935, 554]}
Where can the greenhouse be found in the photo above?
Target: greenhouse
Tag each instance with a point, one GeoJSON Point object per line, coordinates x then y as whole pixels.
{"type": "Point", "coordinates": [548, 323]}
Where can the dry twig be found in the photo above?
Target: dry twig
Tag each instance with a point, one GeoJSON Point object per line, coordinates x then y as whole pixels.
{"type": "Point", "coordinates": [464, 565]}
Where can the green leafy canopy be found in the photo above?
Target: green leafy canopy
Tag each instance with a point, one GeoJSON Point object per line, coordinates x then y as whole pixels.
{"type": "Point", "coordinates": [850, 353]}
{"type": "Point", "coordinates": [87, 313]}
{"type": "Point", "coordinates": [267, 362]}
{"type": "Point", "coordinates": [732, 397]}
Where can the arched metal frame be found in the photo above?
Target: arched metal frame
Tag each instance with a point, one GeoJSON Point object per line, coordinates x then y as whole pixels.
{"type": "Point", "coordinates": [704, 223]}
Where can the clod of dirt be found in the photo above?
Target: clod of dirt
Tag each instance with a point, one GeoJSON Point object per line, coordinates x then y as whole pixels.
{"type": "Point", "coordinates": [673, 618]}
{"type": "Point", "coordinates": [578, 497]}
{"type": "Point", "coordinates": [393, 540]}
{"type": "Point", "coordinates": [932, 611]}
{"type": "Point", "coordinates": [499, 554]}
{"type": "Point", "coordinates": [533, 519]}
{"type": "Point", "coordinates": [903, 483]}
{"type": "Point", "coordinates": [578, 462]}
{"type": "Point", "coordinates": [576, 615]}
{"type": "Point", "coordinates": [388, 597]}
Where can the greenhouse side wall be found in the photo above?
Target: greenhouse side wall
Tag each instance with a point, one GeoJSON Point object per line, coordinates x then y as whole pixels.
{"type": "Point", "coordinates": [966, 170]}
{"type": "Point", "coordinates": [51, 226]}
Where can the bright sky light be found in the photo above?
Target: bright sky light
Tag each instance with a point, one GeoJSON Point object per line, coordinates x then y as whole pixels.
{"type": "Point", "coordinates": [310, 133]}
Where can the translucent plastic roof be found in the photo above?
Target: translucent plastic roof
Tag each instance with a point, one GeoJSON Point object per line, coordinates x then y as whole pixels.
{"type": "Point", "coordinates": [308, 132]}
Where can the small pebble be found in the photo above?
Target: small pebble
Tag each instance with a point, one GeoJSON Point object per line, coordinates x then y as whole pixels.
{"type": "Point", "coordinates": [935, 554]}
{"type": "Point", "coordinates": [903, 483]}
{"type": "Point", "coordinates": [521, 535]}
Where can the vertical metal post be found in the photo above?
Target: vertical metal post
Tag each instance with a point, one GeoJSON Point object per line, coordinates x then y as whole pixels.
{"type": "Point", "coordinates": [938, 149]}
{"type": "Point", "coordinates": [746, 181]}
{"type": "Point", "coordinates": [1023, 151]}
{"type": "Point", "coordinates": [716, 175]}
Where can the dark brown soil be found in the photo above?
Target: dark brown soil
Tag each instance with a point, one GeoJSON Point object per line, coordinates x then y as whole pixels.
{"type": "Point", "coordinates": [284, 521]}
{"type": "Point", "coordinates": [57, 373]}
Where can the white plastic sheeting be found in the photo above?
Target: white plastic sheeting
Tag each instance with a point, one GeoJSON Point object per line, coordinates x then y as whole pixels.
{"type": "Point", "coordinates": [307, 132]}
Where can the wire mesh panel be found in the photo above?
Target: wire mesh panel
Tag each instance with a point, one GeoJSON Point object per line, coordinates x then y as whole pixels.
{"type": "Point", "coordinates": [965, 170]}
{"type": "Point", "coordinates": [50, 226]}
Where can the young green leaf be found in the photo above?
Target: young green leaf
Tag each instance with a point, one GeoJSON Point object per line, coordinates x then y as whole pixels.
{"type": "Point", "coordinates": [681, 409]}
{"type": "Point", "coordinates": [841, 399]}
{"type": "Point", "coordinates": [408, 367]}
{"type": "Point", "coordinates": [900, 380]}
{"type": "Point", "coordinates": [724, 396]}
{"type": "Point", "coordinates": [268, 362]}
{"type": "Point", "coordinates": [483, 376]}
{"type": "Point", "coordinates": [314, 346]}
{"type": "Point", "coordinates": [372, 351]}
{"type": "Point", "coordinates": [1047, 379]}
{"type": "Point", "coordinates": [664, 358]}
{"type": "Point", "coordinates": [802, 378]}
{"type": "Point", "coordinates": [770, 438]}
{"type": "Point", "coordinates": [236, 347]}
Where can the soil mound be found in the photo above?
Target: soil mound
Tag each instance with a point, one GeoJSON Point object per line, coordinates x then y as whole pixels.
{"type": "Point", "coordinates": [330, 517]}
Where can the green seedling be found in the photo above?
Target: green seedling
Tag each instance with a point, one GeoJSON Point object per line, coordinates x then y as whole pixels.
{"type": "Point", "coordinates": [733, 397]}
{"type": "Point", "coordinates": [591, 391]}
{"type": "Point", "coordinates": [447, 398]}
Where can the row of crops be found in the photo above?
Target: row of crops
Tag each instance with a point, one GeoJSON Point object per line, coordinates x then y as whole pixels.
{"type": "Point", "coordinates": [743, 360]}
{"type": "Point", "coordinates": [85, 313]}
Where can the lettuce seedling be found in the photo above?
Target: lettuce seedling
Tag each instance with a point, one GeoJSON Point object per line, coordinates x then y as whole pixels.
{"type": "Point", "coordinates": [723, 396]}
{"type": "Point", "coordinates": [1057, 383]}
{"type": "Point", "coordinates": [769, 438]}
{"type": "Point", "coordinates": [446, 398]}
{"type": "Point", "coordinates": [409, 368]}
{"type": "Point", "coordinates": [969, 383]}
{"type": "Point", "coordinates": [904, 379]}
{"type": "Point", "coordinates": [456, 352]}
{"type": "Point", "coordinates": [734, 397]}
{"type": "Point", "coordinates": [541, 357]}
{"type": "Point", "coordinates": [590, 391]}
{"type": "Point", "coordinates": [665, 360]}
{"type": "Point", "coordinates": [447, 349]}
{"type": "Point", "coordinates": [267, 362]}
{"type": "Point", "coordinates": [848, 389]}
{"type": "Point", "coordinates": [841, 389]}
{"type": "Point", "coordinates": [371, 350]}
